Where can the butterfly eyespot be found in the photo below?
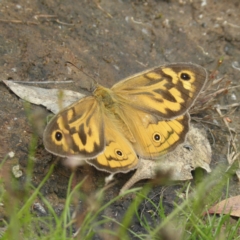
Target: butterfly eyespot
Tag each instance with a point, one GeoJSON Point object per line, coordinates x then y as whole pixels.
{"type": "Point", "coordinates": [156, 137]}
{"type": "Point", "coordinates": [58, 136]}
{"type": "Point", "coordinates": [185, 76]}
{"type": "Point", "coordinates": [119, 153]}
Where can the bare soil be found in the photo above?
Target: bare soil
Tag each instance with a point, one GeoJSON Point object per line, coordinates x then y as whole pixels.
{"type": "Point", "coordinates": [109, 40]}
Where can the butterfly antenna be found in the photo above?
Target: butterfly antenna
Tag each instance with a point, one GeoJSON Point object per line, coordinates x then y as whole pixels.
{"type": "Point", "coordinates": [97, 74]}
{"type": "Point", "coordinates": [94, 83]}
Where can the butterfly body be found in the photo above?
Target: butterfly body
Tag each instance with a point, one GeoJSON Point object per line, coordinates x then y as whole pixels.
{"type": "Point", "coordinates": [142, 116]}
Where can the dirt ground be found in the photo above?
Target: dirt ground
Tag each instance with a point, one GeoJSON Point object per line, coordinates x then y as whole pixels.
{"type": "Point", "coordinates": [109, 40]}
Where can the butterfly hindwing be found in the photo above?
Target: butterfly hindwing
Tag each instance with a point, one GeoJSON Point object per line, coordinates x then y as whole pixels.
{"type": "Point", "coordinates": [153, 137]}
{"type": "Point", "coordinates": [119, 154]}
{"type": "Point", "coordinates": [161, 138]}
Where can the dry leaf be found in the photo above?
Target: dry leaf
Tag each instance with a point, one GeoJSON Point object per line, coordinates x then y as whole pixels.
{"type": "Point", "coordinates": [48, 98]}
{"type": "Point", "coordinates": [228, 206]}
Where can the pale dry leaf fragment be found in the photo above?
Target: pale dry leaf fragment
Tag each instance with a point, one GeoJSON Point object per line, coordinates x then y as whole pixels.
{"type": "Point", "coordinates": [178, 164]}
{"type": "Point", "coordinates": [38, 207]}
{"type": "Point", "coordinates": [238, 174]}
{"type": "Point", "coordinates": [45, 97]}
{"type": "Point", "coordinates": [17, 172]}
{"type": "Point", "coordinates": [11, 154]}
{"type": "Point", "coordinates": [109, 178]}
{"type": "Point", "coordinates": [228, 206]}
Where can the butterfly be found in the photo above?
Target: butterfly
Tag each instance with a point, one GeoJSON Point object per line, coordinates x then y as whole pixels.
{"type": "Point", "coordinates": [143, 116]}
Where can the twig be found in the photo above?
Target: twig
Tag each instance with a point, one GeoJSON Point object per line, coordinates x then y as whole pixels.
{"type": "Point", "coordinates": [19, 22]}
{"type": "Point", "coordinates": [44, 16]}
{"type": "Point", "coordinates": [36, 82]}
{"type": "Point", "coordinates": [108, 14]}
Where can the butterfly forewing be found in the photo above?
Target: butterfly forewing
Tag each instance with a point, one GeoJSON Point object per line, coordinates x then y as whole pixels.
{"type": "Point", "coordinates": [167, 91]}
{"type": "Point", "coordinates": [77, 130]}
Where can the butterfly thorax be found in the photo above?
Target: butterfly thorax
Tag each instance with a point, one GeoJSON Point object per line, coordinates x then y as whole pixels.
{"type": "Point", "coordinates": [112, 108]}
{"type": "Point", "coordinates": [106, 96]}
